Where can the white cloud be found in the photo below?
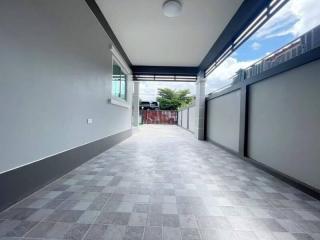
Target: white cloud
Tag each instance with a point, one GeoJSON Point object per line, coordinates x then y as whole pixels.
{"type": "Point", "coordinates": [296, 18]}
{"type": "Point", "coordinates": [308, 12]}
{"type": "Point", "coordinates": [255, 46]}
{"type": "Point", "coordinates": [221, 76]}
{"type": "Point", "coordinates": [149, 90]}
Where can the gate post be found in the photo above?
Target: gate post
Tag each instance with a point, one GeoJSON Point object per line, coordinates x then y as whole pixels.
{"type": "Point", "coordinates": [135, 104]}
{"type": "Point", "coordinates": [200, 107]}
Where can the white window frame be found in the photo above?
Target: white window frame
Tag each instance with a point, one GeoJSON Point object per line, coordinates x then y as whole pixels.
{"type": "Point", "coordinates": [116, 57]}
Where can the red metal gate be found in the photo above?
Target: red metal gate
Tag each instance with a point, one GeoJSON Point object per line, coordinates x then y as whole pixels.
{"type": "Point", "coordinates": [159, 117]}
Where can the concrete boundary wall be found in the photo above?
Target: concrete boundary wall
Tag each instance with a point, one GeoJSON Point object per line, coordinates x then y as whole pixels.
{"type": "Point", "coordinates": [273, 121]}
{"type": "Point", "coordinates": [186, 118]}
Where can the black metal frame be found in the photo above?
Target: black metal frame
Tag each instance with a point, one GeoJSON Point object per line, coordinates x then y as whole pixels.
{"type": "Point", "coordinates": [247, 12]}
{"type": "Point", "coordinates": [160, 70]}
{"type": "Point", "coordinates": [166, 74]}
{"type": "Point", "coordinates": [269, 8]}
{"type": "Point", "coordinates": [164, 78]}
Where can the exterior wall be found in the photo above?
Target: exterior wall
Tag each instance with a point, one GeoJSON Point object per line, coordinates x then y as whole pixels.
{"type": "Point", "coordinates": [223, 120]}
{"type": "Point", "coordinates": [179, 118]}
{"type": "Point", "coordinates": [284, 117]}
{"type": "Point", "coordinates": [56, 71]}
{"type": "Point", "coordinates": [185, 118]}
{"type": "Point", "coordinates": [192, 118]}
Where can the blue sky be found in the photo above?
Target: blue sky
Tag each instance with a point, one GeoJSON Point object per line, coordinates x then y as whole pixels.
{"type": "Point", "coordinates": [258, 46]}
{"type": "Point", "coordinates": [253, 49]}
{"type": "Point", "coordinates": [294, 19]}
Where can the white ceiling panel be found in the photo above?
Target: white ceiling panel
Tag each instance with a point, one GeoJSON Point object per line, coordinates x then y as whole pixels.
{"type": "Point", "coordinates": [150, 38]}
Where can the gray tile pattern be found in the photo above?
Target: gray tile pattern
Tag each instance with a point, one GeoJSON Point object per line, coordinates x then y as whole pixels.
{"type": "Point", "coordinates": [163, 184]}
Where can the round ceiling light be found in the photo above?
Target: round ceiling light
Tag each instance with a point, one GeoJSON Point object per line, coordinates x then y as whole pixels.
{"type": "Point", "coordinates": [172, 8]}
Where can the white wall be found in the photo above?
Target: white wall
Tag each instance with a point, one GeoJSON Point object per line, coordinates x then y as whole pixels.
{"type": "Point", "coordinates": [223, 120]}
{"type": "Point", "coordinates": [55, 72]}
{"type": "Point", "coordinates": [179, 118]}
{"type": "Point", "coordinates": [284, 117]}
{"type": "Point", "coordinates": [185, 118]}
{"type": "Point", "coordinates": [192, 118]}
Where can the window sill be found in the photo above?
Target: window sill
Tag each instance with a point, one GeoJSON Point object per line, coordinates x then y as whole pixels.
{"type": "Point", "coordinates": [119, 102]}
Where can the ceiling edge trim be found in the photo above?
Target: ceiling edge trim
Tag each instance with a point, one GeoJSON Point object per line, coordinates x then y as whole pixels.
{"type": "Point", "coordinates": [164, 70]}
{"type": "Point", "coordinates": [104, 23]}
{"type": "Point", "coordinates": [247, 12]}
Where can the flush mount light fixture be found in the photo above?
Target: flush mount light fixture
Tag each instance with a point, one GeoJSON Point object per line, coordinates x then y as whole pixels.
{"type": "Point", "coordinates": [172, 8]}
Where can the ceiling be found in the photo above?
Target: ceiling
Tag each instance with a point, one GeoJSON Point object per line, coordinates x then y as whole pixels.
{"type": "Point", "coordinates": [149, 38]}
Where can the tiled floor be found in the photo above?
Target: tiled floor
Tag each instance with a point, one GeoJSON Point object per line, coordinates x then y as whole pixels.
{"type": "Point", "coordinates": [163, 184]}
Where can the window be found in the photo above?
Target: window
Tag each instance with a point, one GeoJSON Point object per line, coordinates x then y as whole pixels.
{"type": "Point", "coordinates": [119, 81]}
{"type": "Point", "coordinates": [121, 77]}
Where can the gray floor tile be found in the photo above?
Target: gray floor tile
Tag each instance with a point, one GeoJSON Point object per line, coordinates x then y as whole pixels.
{"type": "Point", "coordinates": [188, 221]}
{"type": "Point", "coordinates": [138, 219]}
{"type": "Point", "coordinates": [15, 228]}
{"type": "Point", "coordinates": [152, 233]}
{"type": "Point", "coordinates": [113, 218]}
{"type": "Point", "coordinates": [115, 232]}
{"type": "Point", "coordinates": [154, 219]}
{"type": "Point", "coordinates": [190, 234]}
{"type": "Point", "coordinates": [170, 220]}
{"type": "Point", "coordinates": [246, 235]}
{"type": "Point", "coordinates": [213, 234]}
{"type": "Point", "coordinates": [133, 233]}
{"type": "Point", "coordinates": [65, 216]}
{"type": "Point", "coordinates": [171, 233]}
{"type": "Point", "coordinates": [96, 232]}
{"type": "Point", "coordinates": [88, 217]}
{"type": "Point", "coordinates": [41, 230]}
{"type": "Point", "coordinates": [191, 190]}
{"type": "Point", "coordinates": [141, 208]}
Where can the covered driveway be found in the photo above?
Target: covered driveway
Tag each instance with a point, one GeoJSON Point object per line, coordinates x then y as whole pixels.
{"type": "Point", "coordinates": [162, 183]}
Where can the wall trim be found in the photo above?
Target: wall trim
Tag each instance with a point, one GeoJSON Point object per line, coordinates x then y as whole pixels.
{"type": "Point", "coordinates": [310, 56]}
{"type": "Point", "coordinates": [313, 192]}
{"type": "Point", "coordinates": [229, 150]}
{"type": "Point", "coordinates": [104, 23]}
{"type": "Point", "coordinates": [306, 188]}
{"type": "Point", "coordinates": [18, 183]}
{"type": "Point", "coordinates": [232, 88]}
{"type": "Point", "coordinates": [187, 129]}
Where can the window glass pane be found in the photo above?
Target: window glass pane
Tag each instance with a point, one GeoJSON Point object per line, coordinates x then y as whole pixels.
{"type": "Point", "coordinates": [116, 88]}
{"type": "Point", "coordinates": [123, 91]}
{"type": "Point", "coordinates": [119, 82]}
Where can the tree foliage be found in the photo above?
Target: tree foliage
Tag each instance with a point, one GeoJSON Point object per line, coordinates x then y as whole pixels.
{"type": "Point", "coordinates": [170, 99]}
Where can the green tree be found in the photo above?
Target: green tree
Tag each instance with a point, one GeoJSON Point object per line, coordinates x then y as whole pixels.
{"type": "Point", "coordinates": [170, 99]}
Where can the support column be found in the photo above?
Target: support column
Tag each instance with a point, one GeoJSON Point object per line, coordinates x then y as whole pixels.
{"type": "Point", "coordinates": [200, 107]}
{"type": "Point", "coordinates": [135, 104]}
